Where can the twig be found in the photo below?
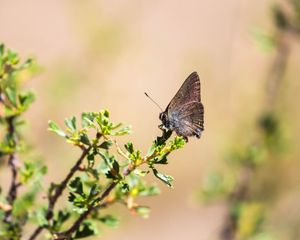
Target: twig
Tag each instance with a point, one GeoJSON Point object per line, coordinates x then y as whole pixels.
{"type": "Point", "coordinates": [12, 162]}
{"type": "Point", "coordinates": [83, 216]}
{"type": "Point", "coordinates": [66, 234]}
{"type": "Point", "coordinates": [98, 202]}
{"type": "Point", "coordinates": [76, 224]}
{"type": "Point", "coordinates": [52, 199]}
{"type": "Point", "coordinates": [120, 151]}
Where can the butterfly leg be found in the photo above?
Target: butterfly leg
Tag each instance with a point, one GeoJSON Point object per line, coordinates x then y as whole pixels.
{"type": "Point", "coordinates": [161, 127]}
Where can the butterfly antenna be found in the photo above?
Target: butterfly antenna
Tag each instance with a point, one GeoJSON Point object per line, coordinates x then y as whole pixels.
{"type": "Point", "coordinates": [154, 102]}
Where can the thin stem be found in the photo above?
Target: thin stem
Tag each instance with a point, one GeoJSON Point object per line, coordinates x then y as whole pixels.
{"type": "Point", "coordinates": [92, 207]}
{"type": "Point", "coordinates": [76, 224]}
{"type": "Point", "coordinates": [97, 202]}
{"type": "Point", "coordinates": [110, 187]}
{"type": "Point", "coordinates": [52, 199]}
{"type": "Point", "coordinates": [120, 151]}
{"type": "Point", "coordinates": [12, 162]}
{"type": "Point", "coordinates": [62, 186]}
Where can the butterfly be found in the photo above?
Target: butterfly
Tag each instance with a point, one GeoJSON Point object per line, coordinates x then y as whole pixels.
{"type": "Point", "coordinates": [185, 112]}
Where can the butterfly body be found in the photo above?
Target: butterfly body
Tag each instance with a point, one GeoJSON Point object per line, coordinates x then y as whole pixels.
{"type": "Point", "coordinates": [185, 112]}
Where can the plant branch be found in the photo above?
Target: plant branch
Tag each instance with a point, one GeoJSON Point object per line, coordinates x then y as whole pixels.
{"type": "Point", "coordinates": [52, 199]}
{"type": "Point", "coordinates": [83, 216]}
{"type": "Point", "coordinates": [75, 226]}
{"type": "Point", "coordinates": [59, 190]}
{"type": "Point", "coordinates": [120, 151]}
{"type": "Point", "coordinates": [12, 162]}
{"type": "Point", "coordinates": [97, 202]}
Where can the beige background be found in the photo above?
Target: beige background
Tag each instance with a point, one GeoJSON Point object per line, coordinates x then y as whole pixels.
{"type": "Point", "coordinates": [106, 54]}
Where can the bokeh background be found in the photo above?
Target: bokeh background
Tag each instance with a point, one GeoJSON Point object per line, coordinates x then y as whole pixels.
{"type": "Point", "coordinates": [105, 54]}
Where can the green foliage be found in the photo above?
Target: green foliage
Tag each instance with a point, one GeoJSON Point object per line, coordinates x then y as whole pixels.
{"type": "Point", "coordinates": [121, 172]}
{"type": "Point", "coordinates": [163, 177]}
{"type": "Point", "coordinates": [12, 73]}
{"type": "Point", "coordinates": [87, 229]}
{"type": "Point", "coordinates": [16, 209]}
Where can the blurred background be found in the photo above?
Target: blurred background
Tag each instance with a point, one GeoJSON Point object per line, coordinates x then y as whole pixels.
{"type": "Point", "coordinates": [105, 54]}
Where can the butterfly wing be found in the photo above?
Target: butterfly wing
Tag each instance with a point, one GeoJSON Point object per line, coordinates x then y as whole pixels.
{"type": "Point", "coordinates": [185, 111]}
{"type": "Point", "coordinates": [188, 121]}
{"type": "Point", "coordinates": [189, 91]}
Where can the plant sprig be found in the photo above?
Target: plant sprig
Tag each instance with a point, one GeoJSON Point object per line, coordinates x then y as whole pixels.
{"type": "Point", "coordinates": [27, 174]}
{"type": "Point", "coordinates": [103, 178]}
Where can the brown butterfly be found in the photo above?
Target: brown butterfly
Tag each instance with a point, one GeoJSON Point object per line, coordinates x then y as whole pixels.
{"type": "Point", "coordinates": [185, 112]}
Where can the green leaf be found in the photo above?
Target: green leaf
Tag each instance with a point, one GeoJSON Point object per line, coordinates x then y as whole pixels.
{"type": "Point", "coordinates": [177, 143]}
{"type": "Point", "coordinates": [109, 221]}
{"type": "Point", "coordinates": [12, 96]}
{"type": "Point", "coordinates": [87, 119]}
{"type": "Point", "coordinates": [52, 126]}
{"type": "Point", "coordinates": [105, 113]}
{"type": "Point", "coordinates": [91, 160]}
{"type": "Point", "coordinates": [116, 126]}
{"type": "Point", "coordinates": [140, 172]}
{"type": "Point", "coordinates": [76, 185]}
{"type": "Point", "coordinates": [32, 171]}
{"type": "Point", "coordinates": [26, 172]}
{"type": "Point", "coordinates": [167, 179]}
{"type": "Point", "coordinates": [71, 197]}
{"type": "Point", "coordinates": [26, 99]}
{"type": "Point", "coordinates": [71, 124]}
{"type": "Point", "coordinates": [2, 48]}
{"type": "Point", "coordinates": [151, 149]}
{"type": "Point", "coordinates": [59, 219]}
{"type": "Point", "coordinates": [26, 201]}
{"type": "Point", "coordinates": [41, 217]}
{"type": "Point", "coordinates": [94, 172]}
{"type": "Point", "coordinates": [106, 144]}
{"type": "Point", "coordinates": [116, 166]}
{"type": "Point", "coordinates": [123, 131]}
{"type": "Point", "coordinates": [125, 186]}
{"type": "Point", "coordinates": [143, 211]}
{"type": "Point", "coordinates": [85, 139]}
{"type": "Point", "coordinates": [106, 127]}
{"type": "Point", "coordinates": [106, 158]}
{"type": "Point", "coordinates": [86, 229]}
{"type": "Point", "coordinates": [12, 57]}
{"type": "Point", "coordinates": [94, 191]}
{"type": "Point", "coordinates": [111, 175]}
{"type": "Point", "coordinates": [149, 191]}
{"type": "Point", "coordinates": [129, 147]}
{"type": "Point", "coordinates": [162, 159]}
{"type": "Point", "coordinates": [160, 141]}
